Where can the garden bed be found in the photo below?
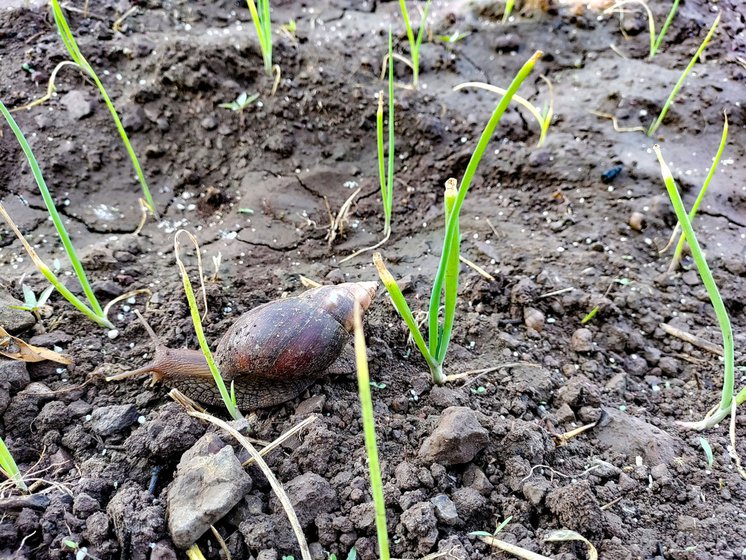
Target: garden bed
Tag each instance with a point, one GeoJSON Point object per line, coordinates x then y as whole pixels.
{"type": "Point", "coordinates": [548, 223]}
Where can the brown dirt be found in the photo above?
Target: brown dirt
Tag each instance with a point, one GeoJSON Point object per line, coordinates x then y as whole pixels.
{"type": "Point", "coordinates": [557, 225]}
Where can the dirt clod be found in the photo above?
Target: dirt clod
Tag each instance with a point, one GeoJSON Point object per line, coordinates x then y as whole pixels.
{"type": "Point", "coordinates": [456, 439]}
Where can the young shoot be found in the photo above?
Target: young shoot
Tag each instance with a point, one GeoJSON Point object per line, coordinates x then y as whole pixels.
{"type": "Point", "coordinates": [693, 211]}
{"type": "Point", "coordinates": [445, 285]}
{"type": "Point", "coordinates": [509, 5]}
{"type": "Point", "coordinates": [385, 168]}
{"type": "Point", "coordinates": [9, 469]}
{"type": "Point", "coordinates": [544, 118]}
{"type": "Point", "coordinates": [369, 431]}
{"type": "Point", "coordinates": [680, 82]}
{"type": "Point", "coordinates": [655, 40]}
{"type": "Point", "coordinates": [414, 42]}
{"type": "Point", "coordinates": [240, 103]}
{"type": "Point", "coordinates": [72, 48]}
{"type": "Point", "coordinates": [229, 398]}
{"type": "Point", "coordinates": [263, 25]}
{"type": "Point", "coordinates": [727, 399]}
{"type": "Point", "coordinates": [31, 302]}
{"type": "Point", "coordinates": [93, 309]}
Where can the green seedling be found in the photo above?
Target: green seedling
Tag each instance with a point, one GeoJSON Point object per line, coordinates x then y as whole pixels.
{"type": "Point", "coordinates": [81, 552]}
{"type": "Point", "coordinates": [445, 285]}
{"type": "Point", "coordinates": [369, 431]}
{"type": "Point", "coordinates": [290, 28]}
{"type": "Point", "coordinates": [509, 5]}
{"type": "Point", "coordinates": [682, 78]}
{"type": "Point", "coordinates": [591, 314]}
{"type": "Point", "coordinates": [9, 469]}
{"type": "Point", "coordinates": [453, 38]}
{"type": "Point", "coordinates": [263, 25]}
{"type": "Point", "coordinates": [414, 42]}
{"type": "Point", "coordinates": [34, 304]}
{"type": "Point", "coordinates": [229, 397]}
{"type": "Point", "coordinates": [655, 40]}
{"type": "Point", "coordinates": [544, 118]}
{"type": "Point", "coordinates": [72, 48]}
{"type": "Point", "coordinates": [693, 211]}
{"type": "Point", "coordinates": [727, 399]}
{"type": "Point", "coordinates": [241, 102]}
{"type": "Point", "coordinates": [708, 451]}
{"type": "Point", "coordinates": [93, 310]}
{"type": "Point", "coordinates": [385, 167]}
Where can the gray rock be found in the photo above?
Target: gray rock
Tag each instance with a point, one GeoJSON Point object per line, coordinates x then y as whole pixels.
{"type": "Point", "coordinates": [469, 502]}
{"type": "Point", "coordinates": [631, 436]}
{"type": "Point", "coordinates": [457, 438]}
{"type": "Point", "coordinates": [14, 320]}
{"type": "Point", "coordinates": [310, 495]}
{"type": "Point", "coordinates": [582, 340]}
{"type": "Point", "coordinates": [108, 420]}
{"type": "Point", "coordinates": [406, 476]}
{"type": "Point", "coordinates": [206, 487]}
{"type": "Point", "coordinates": [78, 104]}
{"type": "Point", "coordinates": [445, 509]}
{"type": "Point", "coordinates": [535, 490]}
{"type": "Point", "coordinates": [13, 377]}
{"type": "Point", "coordinates": [422, 526]}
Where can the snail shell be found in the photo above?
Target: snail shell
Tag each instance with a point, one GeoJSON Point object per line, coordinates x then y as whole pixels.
{"type": "Point", "coordinates": [272, 353]}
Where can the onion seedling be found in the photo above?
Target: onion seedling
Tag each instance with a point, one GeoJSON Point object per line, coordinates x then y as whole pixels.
{"type": "Point", "coordinates": [680, 82]}
{"type": "Point", "coordinates": [727, 399]}
{"type": "Point", "coordinates": [263, 25]}
{"type": "Point", "coordinates": [509, 5]}
{"type": "Point", "coordinates": [9, 469]}
{"type": "Point", "coordinates": [445, 285]}
{"type": "Point", "coordinates": [72, 48]}
{"type": "Point", "coordinates": [544, 118]}
{"type": "Point", "coordinates": [93, 311]}
{"type": "Point", "coordinates": [229, 398]}
{"type": "Point", "coordinates": [655, 40]}
{"type": "Point", "coordinates": [385, 168]}
{"type": "Point", "coordinates": [414, 42]}
{"type": "Point", "coordinates": [369, 431]}
{"type": "Point", "coordinates": [693, 211]}
{"type": "Point", "coordinates": [33, 303]}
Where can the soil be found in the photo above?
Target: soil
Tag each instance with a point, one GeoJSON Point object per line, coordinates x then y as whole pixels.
{"type": "Point", "coordinates": [548, 223]}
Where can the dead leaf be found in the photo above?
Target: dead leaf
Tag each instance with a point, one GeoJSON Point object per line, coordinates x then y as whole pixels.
{"type": "Point", "coordinates": [563, 535]}
{"type": "Point", "coordinates": [16, 349]}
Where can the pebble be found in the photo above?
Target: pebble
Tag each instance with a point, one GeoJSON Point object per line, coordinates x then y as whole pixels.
{"type": "Point", "coordinates": [457, 438]}
{"type": "Point", "coordinates": [206, 487]}
{"type": "Point", "coordinates": [14, 320]}
{"type": "Point", "coordinates": [310, 495]}
{"type": "Point", "coordinates": [108, 420]}
{"type": "Point", "coordinates": [78, 104]}
{"type": "Point", "coordinates": [582, 340]}
{"type": "Point", "coordinates": [445, 509]}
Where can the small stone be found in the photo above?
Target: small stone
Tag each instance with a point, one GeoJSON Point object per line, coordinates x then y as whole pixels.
{"type": "Point", "coordinates": [565, 414]}
{"type": "Point", "coordinates": [310, 495]}
{"type": "Point", "coordinates": [267, 554]}
{"type": "Point", "coordinates": [51, 339]}
{"type": "Point", "coordinates": [533, 318]}
{"type": "Point", "coordinates": [78, 104]}
{"type": "Point", "coordinates": [457, 438]}
{"type": "Point", "coordinates": [475, 478]}
{"type": "Point", "coordinates": [637, 221]}
{"type": "Point", "coordinates": [535, 491]}
{"type": "Point", "coordinates": [406, 476]}
{"type": "Point", "coordinates": [660, 473]}
{"type": "Point", "coordinates": [108, 420]}
{"type": "Point", "coordinates": [14, 320]}
{"type": "Point", "coordinates": [445, 509]}
{"type": "Point", "coordinates": [469, 502]}
{"type": "Point", "coordinates": [422, 525]}
{"type": "Point", "coordinates": [205, 488]}
{"type": "Point", "coordinates": [209, 123]}
{"type": "Point", "coordinates": [13, 374]}
{"type": "Point", "coordinates": [85, 505]}
{"type": "Point", "coordinates": [133, 118]}
{"type": "Point", "coordinates": [669, 365]}
{"type": "Point", "coordinates": [582, 340]}
{"type": "Point", "coordinates": [363, 516]}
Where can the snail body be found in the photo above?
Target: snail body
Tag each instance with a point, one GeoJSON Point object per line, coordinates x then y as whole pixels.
{"type": "Point", "coordinates": [272, 353]}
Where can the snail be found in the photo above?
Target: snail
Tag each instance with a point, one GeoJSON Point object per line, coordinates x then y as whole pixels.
{"type": "Point", "coordinates": [271, 353]}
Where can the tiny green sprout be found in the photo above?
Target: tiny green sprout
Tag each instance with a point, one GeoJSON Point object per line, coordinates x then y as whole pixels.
{"type": "Point", "coordinates": [9, 469]}
{"type": "Point", "coordinates": [33, 304]}
{"type": "Point", "coordinates": [241, 102]}
{"type": "Point", "coordinates": [290, 27]}
{"type": "Point", "coordinates": [502, 525]}
{"type": "Point", "coordinates": [331, 556]}
{"type": "Point", "coordinates": [509, 5]}
{"type": "Point", "coordinates": [591, 315]}
{"type": "Point", "coordinates": [478, 390]}
{"type": "Point", "coordinates": [708, 451]}
{"type": "Point", "coordinates": [454, 37]}
{"type": "Point", "coordinates": [248, 211]}
{"type": "Point", "coordinates": [377, 385]}
{"type": "Point", "coordinates": [623, 281]}
{"type": "Point", "coordinates": [352, 555]}
{"type": "Point", "coordinates": [27, 67]}
{"type": "Point", "coordinates": [288, 557]}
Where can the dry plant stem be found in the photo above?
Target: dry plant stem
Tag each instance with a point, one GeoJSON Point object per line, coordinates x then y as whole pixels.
{"type": "Point", "coordinates": [615, 123]}
{"type": "Point", "coordinates": [278, 75]}
{"type": "Point", "coordinates": [478, 269]}
{"type": "Point", "coordinates": [273, 482]}
{"type": "Point", "coordinates": [680, 82]}
{"type": "Point", "coordinates": [336, 223]}
{"type": "Point", "coordinates": [513, 549]}
{"type": "Point", "coordinates": [691, 339]}
{"type": "Point", "coordinates": [221, 542]}
{"type": "Point", "coordinates": [651, 20]}
{"type": "Point", "coordinates": [50, 86]}
{"type": "Point", "coordinates": [283, 438]}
